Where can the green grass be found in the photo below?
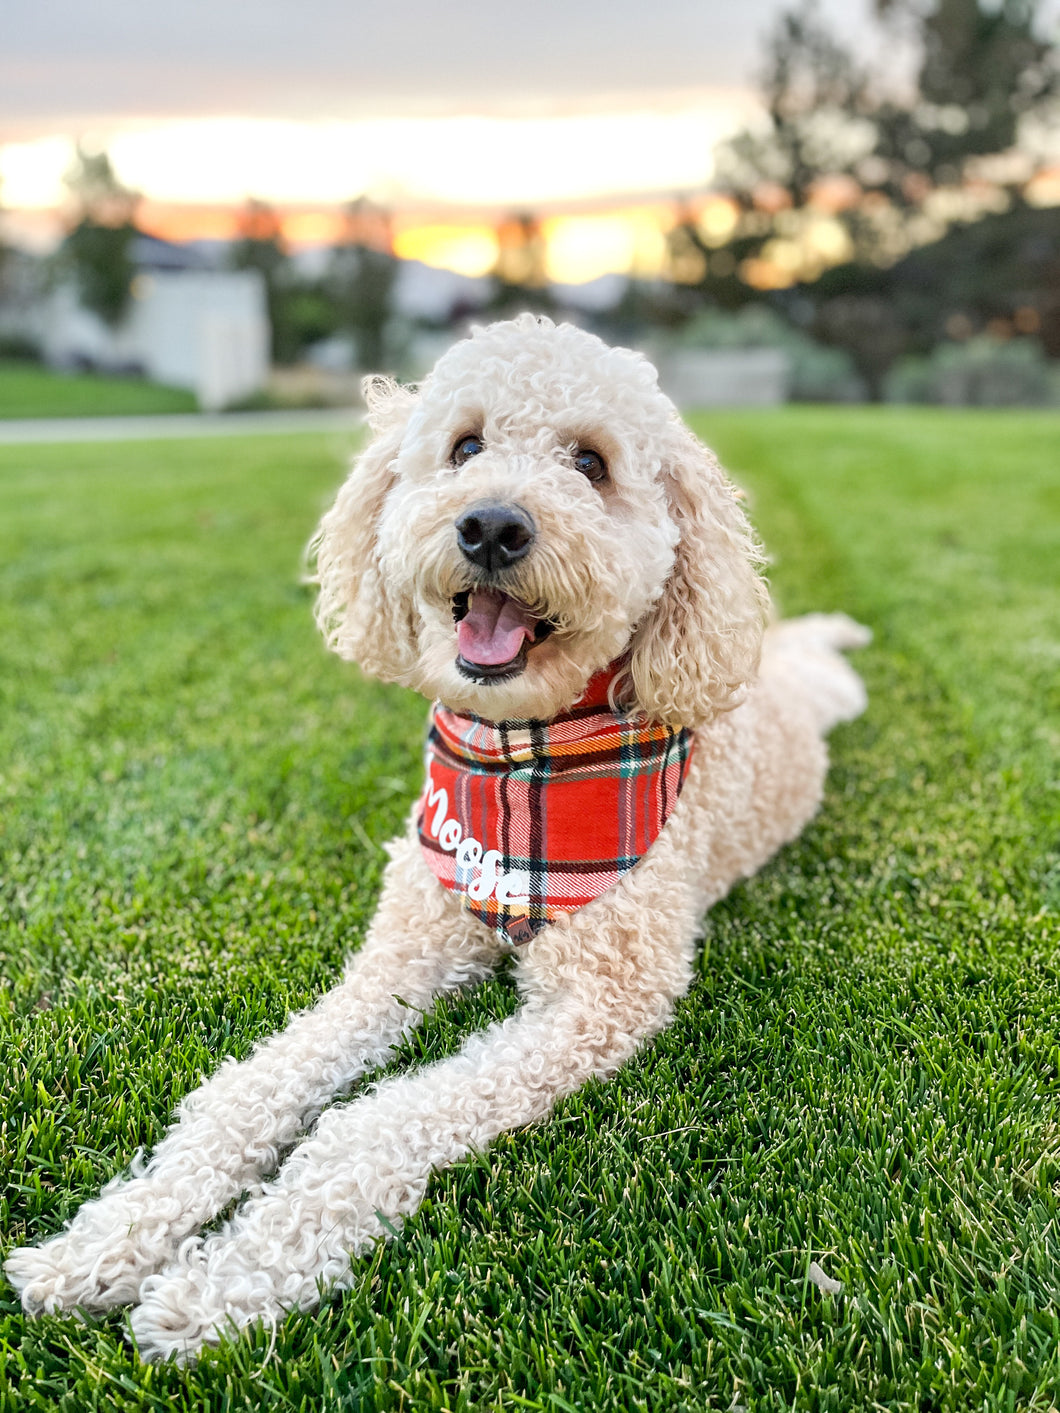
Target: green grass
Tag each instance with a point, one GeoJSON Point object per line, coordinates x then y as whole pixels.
{"type": "Point", "coordinates": [27, 390]}
{"type": "Point", "coordinates": [866, 1073]}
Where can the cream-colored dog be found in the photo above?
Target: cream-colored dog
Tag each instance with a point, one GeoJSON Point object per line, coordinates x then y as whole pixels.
{"type": "Point", "coordinates": [534, 516]}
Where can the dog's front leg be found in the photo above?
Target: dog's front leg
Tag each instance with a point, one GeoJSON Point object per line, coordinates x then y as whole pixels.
{"type": "Point", "coordinates": [230, 1131]}
{"type": "Point", "coordinates": [368, 1162]}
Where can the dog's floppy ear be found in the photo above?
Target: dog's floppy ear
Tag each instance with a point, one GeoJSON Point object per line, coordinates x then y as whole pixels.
{"type": "Point", "coordinates": [360, 620]}
{"type": "Point", "coordinates": [699, 645]}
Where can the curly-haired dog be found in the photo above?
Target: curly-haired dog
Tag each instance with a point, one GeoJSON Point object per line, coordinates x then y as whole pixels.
{"type": "Point", "coordinates": [536, 542]}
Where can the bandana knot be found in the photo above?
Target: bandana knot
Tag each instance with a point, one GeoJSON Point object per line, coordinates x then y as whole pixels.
{"type": "Point", "coordinates": [531, 819]}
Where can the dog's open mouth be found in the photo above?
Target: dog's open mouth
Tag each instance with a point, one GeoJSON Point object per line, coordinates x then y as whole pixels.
{"type": "Point", "coordinates": [494, 633]}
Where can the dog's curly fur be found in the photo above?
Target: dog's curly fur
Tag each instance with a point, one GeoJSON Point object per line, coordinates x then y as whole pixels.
{"type": "Point", "coordinates": [656, 566]}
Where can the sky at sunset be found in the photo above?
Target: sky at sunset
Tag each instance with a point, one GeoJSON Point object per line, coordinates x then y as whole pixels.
{"type": "Point", "coordinates": [597, 114]}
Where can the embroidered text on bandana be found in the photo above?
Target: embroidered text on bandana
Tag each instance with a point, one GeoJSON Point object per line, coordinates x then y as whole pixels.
{"type": "Point", "coordinates": [530, 819]}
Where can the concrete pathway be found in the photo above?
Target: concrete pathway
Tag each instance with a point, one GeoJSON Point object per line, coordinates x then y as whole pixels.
{"type": "Point", "coordinates": [22, 431]}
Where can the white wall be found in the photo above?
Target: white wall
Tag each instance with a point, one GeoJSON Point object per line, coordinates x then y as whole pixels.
{"type": "Point", "coordinates": [729, 377]}
{"type": "Point", "coordinates": [204, 330]}
{"type": "Point", "coordinates": [207, 331]}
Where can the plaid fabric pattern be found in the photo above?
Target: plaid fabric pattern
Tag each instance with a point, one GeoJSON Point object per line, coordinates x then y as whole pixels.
{"type": "Point", "coordinates": [528, 819]}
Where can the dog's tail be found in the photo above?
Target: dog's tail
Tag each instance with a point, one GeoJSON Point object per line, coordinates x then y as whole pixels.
{"type": "Point", "coordinates": [811, 649]}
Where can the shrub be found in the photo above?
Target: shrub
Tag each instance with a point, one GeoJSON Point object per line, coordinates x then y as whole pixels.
{"type": "Point", "coordinates": [19, 348]}
{"type": "Point", "coordinates": [982, 372]}
{"type": "Point", "coordinates": [818, 374]}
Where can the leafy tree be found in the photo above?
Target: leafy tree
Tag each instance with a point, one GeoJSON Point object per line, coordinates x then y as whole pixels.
{"type": "Point", "coordinates": [1000, 275]}
{"type": "Point", "coordinates": [520, 277]}
{"type": "Point", "coordinates": [361, 278]}
{"type": "Point", "coordinates": [888, 150]}
{"type": "Point", "coordinates": [97, 249]}
{"type": "Point", "coordinates": [815, 96]}
{"type": "Point", "coordinates": [260, 245]}
{"type": "Point", "coordinates": [981, 71]}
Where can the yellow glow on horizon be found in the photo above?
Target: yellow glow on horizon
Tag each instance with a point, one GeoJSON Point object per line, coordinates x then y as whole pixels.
{"type": "Point", "coordinates": [469, 250]}
{"type": "Point", "coordinates": [462, 158]}
{"type": "Point", "coordinates": [717, 220]}
{"type": "Point", "coordinates": [31, 173]}
{"type": "Point", "coordinates": [307, 170]}
{"type": "Point", "coordinates": [313, 227]}
{"type": "Point", "coordinates": [195, 173]}
{"type": "Point", "coordinates": [830, 241]}
{"type": "Point", "coordinates": [580, 248]}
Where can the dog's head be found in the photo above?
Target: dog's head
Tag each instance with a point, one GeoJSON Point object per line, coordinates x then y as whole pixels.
{"type": "Point", "coordinates": [536, 511]}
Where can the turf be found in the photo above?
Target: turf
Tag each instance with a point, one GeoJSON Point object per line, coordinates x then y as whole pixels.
{"type": "Point", "coordinates": [866, 1074]}
{"type": "Point", "coordinates": [27, 390]}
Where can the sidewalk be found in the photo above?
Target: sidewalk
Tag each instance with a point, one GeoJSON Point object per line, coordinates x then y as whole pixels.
{"type": "Point", "coordinates": [19, 432]}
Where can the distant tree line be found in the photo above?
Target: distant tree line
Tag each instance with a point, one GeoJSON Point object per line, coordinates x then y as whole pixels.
{"type": "Point", "coordinates": [353, 295]}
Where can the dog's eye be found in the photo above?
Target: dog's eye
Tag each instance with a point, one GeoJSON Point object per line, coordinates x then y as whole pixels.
{"type": "Point", "coordinates": [590, 464]}
{"type": "Point", "coordinates": [466, 447]}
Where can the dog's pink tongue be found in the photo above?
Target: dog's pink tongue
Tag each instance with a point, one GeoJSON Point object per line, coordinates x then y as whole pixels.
{"type": "Point", "coordinates": [493, 629]}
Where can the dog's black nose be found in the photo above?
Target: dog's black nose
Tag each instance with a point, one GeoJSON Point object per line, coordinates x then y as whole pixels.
{"type": "Point", "coordinates": [495, 536]}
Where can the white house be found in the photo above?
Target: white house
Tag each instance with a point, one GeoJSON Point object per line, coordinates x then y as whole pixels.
{"type": "Point", "coordinates": [188, 325]}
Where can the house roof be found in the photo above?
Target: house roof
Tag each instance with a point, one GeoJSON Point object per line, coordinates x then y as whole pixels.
{"type": "Point", "coordinates": [151, 253]}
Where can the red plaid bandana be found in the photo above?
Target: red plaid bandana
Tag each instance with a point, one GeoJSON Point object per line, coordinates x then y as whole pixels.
{"type": "Point", "coordinates": [530, 819]}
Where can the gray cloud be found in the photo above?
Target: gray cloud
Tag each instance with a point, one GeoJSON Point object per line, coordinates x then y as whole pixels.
{"type": "Point", "coordinates": [66, 64]}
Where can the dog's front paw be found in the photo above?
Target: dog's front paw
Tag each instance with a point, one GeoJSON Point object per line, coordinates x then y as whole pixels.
{"type": "Point", "coordinates": [46, 1278]}
{"type": "Point", "coordinates": [86, 1267]}
{"type": "Point", "coordinates": [185, 1307]}
{"type": "Point", "coordinates": [69, 1272]}
{"type": "Point", "coordinates": [274, 1256]}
